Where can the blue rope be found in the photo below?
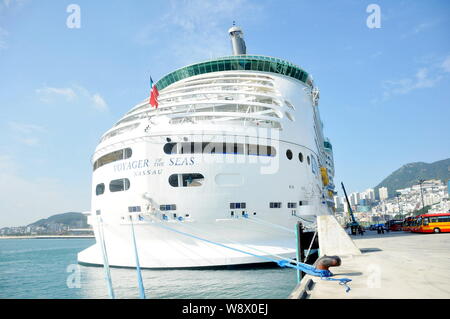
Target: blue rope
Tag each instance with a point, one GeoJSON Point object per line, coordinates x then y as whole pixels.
{"type": "Point", "coordinates": [105, 257]}
{"type": "Point", "coordinates": [138, 267]}
{"type": "Point", "coordinates": [308, 269]}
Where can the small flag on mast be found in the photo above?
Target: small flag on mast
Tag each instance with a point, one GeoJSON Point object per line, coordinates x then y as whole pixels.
{"type": "Point", "coordinates": [153, 94]}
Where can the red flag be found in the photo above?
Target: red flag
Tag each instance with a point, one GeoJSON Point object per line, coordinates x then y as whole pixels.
{"type": "Point", "coordinates": [153, 94]}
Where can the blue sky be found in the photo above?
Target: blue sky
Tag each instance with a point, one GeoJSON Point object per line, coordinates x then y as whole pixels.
{"type": "Point", "coordinates": [384, 92]}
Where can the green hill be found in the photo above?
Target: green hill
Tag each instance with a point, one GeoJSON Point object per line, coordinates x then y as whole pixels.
{"type": "Point", "coordinates": [71, 219]}
{"type": "Point", "coordinates": [409, 174]}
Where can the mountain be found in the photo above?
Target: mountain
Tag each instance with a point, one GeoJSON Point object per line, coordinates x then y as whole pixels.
{"type": "Point", "coordinates": [72, 219]}
{"type": "Point", "coordinates": [409, 174]}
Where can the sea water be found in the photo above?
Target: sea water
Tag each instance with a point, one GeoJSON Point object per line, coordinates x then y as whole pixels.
{"type": "Point", "coordinates": [47, 268]}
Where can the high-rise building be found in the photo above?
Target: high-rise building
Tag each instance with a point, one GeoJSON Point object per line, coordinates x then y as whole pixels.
{"type": "Point", "coordinates": [354, 198]}
{"type": "Point", "coordinates": [448, 188]}
{"type": "Point", "coordinates": [383, 193]}
{"type": "Point", "coordinates": [339, 203]}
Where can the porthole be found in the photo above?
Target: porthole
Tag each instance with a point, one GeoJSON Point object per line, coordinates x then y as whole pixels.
{"type": "Point", "coordinates": [300, 157]}
{"type": "Point", "coordinates": [308, 159]}
{"type": "Point", "coordinates": [100, 189]}
{"type": "Point", "coordinates": [170, 148]}
{"type": "Point", "coordinates": [289, 154]}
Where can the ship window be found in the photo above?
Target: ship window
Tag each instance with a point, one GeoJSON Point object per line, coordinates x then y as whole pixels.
{"type": "Point", "coordinates": [238, 205]}
{"type": "Point", "coordinates": [119, 185]}
{"type": "Point", "coordinates": [308, 160]}
{"type": "Point", "coordinates": [289, 154]}
{"type": "Point", "coordinates": [300, 157]}
{"type": "Point", "coordinates": [168, 207]}
{"type": "Point", "coordinates": [134, 209]}
{"type": "Point", "coordinates": [292, 205]}
{"type": "Point", "coordinates": [261, 150]}
{"type": "Point", "coordinates": [275, 205]}
{"type": "Point", "coordinates": [170, 148]}
{"type": "Point", "coordinates": [100, 189]}
{"type": "Point", "coordinates": [186, 180]}
{"type": "Point", "coordinates": [113, 157]}
{"type": "Point", "coordinates": [219, 148]}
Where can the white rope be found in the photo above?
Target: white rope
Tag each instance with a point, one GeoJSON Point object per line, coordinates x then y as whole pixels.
{"type": "Point", "coordinates": [312, 241]}
{"type": "Point", "coordinates": [105, 257]}
{"type": "Point", "coordinates": [156, 221]}
{"type": "Point", "coordinates": [260, 221]}
{"type": "Point", "coordinates": [244, 245]}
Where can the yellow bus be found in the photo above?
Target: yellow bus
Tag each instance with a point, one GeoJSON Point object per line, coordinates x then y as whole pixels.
{"type": "Point", "coordinates": [432, 223]}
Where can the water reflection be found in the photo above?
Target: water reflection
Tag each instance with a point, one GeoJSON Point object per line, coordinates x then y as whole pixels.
{"type": "Point", "coordinates": [185, 284]}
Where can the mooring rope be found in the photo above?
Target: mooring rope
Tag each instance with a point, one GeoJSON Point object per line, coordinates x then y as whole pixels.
{"type": "Point", "coordinates": [266, 223]}
{"type": "Point", "coordinates": [105, 256]}
{"type": "Point", "coordinates": [241, 244]}
{"type": "Point", "coordinates": [310, 246]}
{"type": "Point", "coordinates": [138, 267]}
{"type": "Point", "coordinates": [308, 269]}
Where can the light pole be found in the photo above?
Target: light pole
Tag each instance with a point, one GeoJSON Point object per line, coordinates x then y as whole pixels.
{"type": "Point", "coordinates": [421, 191]}
{"type": "Point", "coordinates": [398, 203]}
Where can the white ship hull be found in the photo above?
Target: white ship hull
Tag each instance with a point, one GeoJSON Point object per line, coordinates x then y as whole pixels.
{"type": "Point", "coordinates": [162, 248]}
{"type": "Point", "coordinates": [196, 207]}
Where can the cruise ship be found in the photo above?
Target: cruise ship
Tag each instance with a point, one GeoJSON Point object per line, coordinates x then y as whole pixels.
{"type": "Point", "coordinates": [217, 173]}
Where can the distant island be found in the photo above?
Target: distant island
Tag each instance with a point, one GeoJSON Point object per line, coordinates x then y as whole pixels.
{"type": "Point", "coordinates": [71, 224]}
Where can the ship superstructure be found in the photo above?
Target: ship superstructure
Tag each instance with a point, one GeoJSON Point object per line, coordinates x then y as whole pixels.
{"type": "Point", "coordinates": [234, 153]}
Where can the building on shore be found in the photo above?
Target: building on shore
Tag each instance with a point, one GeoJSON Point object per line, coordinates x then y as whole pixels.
{"type": "Point", "coordinates": [384, 194]}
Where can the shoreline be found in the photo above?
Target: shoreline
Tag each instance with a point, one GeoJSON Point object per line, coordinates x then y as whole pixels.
{"type": "Point", "coordinates": [48, 237]}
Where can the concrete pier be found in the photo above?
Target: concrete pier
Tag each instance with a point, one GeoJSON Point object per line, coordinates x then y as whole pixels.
{"type": "Point", "coordinates": [392, 265]}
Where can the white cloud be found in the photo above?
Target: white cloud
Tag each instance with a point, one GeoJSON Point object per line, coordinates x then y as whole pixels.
{"type": "Point", "coordinates": [99, 102]}
{"type": "Point", "coordinates": [403, 86]}
{"type": "Point", "coordinates": [26, 128]}
{"type": "Point", "coordinates": [6, 7]}
{"type": "Point", "coordinates": [193, 30]}
{"type": "Point", "coordinates": [421, 27]}
{"type": "Point", "coordinates": [47, 94]}
{"type": "Point", "coordinates": [70, 94]}
{"type": "Point", "coordinates": [446, 64]}
{"type": "Point", "coordinates": [425, 77]}
{"type": "Point", "coordinates": [3, 35]}
{"type": "Point", "coordinates": [12, 3]}
{"type": "Point", "coordinates": [27, 134]}
{"type": "Point", "coordinates": [24, 200]}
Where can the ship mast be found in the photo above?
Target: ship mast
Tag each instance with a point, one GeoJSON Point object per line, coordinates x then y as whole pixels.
{"type": "Point", "coordinates": [237, 40]}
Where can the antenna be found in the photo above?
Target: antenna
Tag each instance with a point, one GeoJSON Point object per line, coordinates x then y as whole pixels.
{"type": "Point", "coordinates": [237, 40]}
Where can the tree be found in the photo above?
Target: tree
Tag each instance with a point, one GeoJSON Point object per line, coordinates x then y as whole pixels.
{"type": "Point", "coordinates": [421, 211]}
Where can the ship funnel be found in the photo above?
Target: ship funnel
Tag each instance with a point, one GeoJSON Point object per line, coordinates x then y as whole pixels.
{"type": "Point", "coordinates": [237, 40]}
